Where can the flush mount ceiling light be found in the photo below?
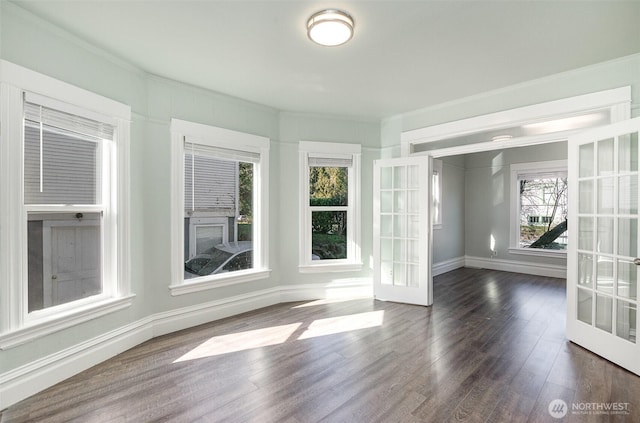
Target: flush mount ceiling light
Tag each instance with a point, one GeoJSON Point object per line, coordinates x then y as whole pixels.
{"type": "Point", "coordinates": [330, 27]}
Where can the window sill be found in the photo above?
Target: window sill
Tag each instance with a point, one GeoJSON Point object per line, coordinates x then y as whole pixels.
{"type": "Point", "coordinates": [43, 327]}
{"type": "Point", "coordinates": [539, 252]}
{"type": "Point", "coordinates": [204, 283]}
{"type": "Point", "coordinates": [333, 267]}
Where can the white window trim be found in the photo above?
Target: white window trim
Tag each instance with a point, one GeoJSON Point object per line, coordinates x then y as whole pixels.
{"type": "Point", "coordinates": [17, 326]}
{"type": "Point", "coordinates": [514, 233]}
{"type": "Point", "coordinates": [353, 262]}
{"type": "Point", "coordinates": [222, 138]}
{"type": "Point", "coordinates": [437, 169]}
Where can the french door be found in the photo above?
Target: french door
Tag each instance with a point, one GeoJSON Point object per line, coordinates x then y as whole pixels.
{"type": "Point", "coordinates": [603, 263]}
{"type": "Point", "coordinates": [402, 208]}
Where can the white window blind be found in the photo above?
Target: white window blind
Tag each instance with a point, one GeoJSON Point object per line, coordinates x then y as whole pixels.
{"type": "Point", "coordinates": [330, 162]}
{"type": "Point", "coordinates": [528, 176]}
{"type": "Point", "coordinates": [62, 156]}
{"type": "Point", "coordinates": [221, 153]}
{"type": "Point", "coordinates": [38, 114]}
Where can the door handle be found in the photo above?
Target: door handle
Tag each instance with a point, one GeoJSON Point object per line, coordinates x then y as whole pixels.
{"type": "Point", "coordinates": [636, 261]}
{"type": "Point", "coordinates": [56, 276]}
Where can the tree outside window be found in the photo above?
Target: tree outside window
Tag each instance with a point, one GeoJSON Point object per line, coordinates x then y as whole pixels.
{"type": "Point", "coordinates": [328, 199]}
{"type": "Point", "coordinates": [543, 212]}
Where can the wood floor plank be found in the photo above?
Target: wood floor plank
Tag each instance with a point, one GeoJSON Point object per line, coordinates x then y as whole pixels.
{"type": "Point", "coordinates": [491, 349]}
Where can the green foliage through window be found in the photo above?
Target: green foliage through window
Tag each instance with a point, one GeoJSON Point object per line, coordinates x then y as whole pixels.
{"type": "Point", "coordinates": [328, 186]}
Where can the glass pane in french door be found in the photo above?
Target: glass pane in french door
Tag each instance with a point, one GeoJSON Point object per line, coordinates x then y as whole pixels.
{"type": "Point", "coordinates": [399, 225]}
{"type": "Point", "coordinates": [608, 235]}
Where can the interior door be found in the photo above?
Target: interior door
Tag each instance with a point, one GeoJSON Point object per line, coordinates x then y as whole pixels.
{"type": "Point", "coordinates": [602, 272]}
{"type": "Point", "coordinates": [402, 268]}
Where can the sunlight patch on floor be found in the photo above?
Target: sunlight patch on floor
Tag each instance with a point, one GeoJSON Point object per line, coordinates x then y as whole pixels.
{"type": "Point", "coordinates": [326, 301]}
{"type": "Point", "coordinates": [351, 322]}
{"type": "Point", "coordinates": [241, 341]}
{"type": "Point", "coordinates": [254, 339]}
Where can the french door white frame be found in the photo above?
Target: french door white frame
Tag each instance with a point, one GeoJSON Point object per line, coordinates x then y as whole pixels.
{"type": "Point", "coordinates": [595, 310]}
{"type": "Point", "coordinates": [401, 223]}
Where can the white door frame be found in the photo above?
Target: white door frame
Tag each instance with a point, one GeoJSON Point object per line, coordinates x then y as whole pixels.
{"type": "Point", "coordinates": [617, 100]}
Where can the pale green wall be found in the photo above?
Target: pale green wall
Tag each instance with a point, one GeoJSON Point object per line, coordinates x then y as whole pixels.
{"type": "Point", "coordinates": [30, 42]}
{"type": "Point", "coordinates": [296, 127]}
{"type": "Point", "coordinates": [449, 239]}
{"type": "Point", "coordinates": [476, 203]}
{"type": "Point", "coordinates": [488, 199]}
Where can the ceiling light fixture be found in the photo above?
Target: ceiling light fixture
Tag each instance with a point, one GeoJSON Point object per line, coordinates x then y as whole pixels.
{"type": "Point", "coordinates": [330, 27]}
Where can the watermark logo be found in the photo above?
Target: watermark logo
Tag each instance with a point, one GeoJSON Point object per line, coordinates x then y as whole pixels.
{"type": "Point", "coordinates": [558, 408]}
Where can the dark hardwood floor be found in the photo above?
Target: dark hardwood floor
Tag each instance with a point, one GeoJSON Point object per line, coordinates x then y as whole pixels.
{"type": "Point", "coordinates": [491, 349]}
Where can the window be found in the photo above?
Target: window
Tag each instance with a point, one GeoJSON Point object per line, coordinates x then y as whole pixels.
{"type": "Point", "coordinates": [219, 207]}
{"type": "Point", "coordinates": [65, 222]}
{"type": "Point", "coordinates": [539, 207]}
{"type": "Point", "coordinates": [329, 206]}
{"type": "Point", "coordinates": [437, 193]}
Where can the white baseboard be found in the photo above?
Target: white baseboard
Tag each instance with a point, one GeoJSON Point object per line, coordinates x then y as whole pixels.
{"type": "Point", "coordinates": [353, 288]}
{"type": "Point", "coordinates": [187, 317]}
{"type": "Point", "coordinates": [447, 266]}
{"type": "Point", "coordinates": [29, 379]}
{"type": "Point", "coordinates": [539, 269]}
{"type": "Point", "coordinates": [24, 381]}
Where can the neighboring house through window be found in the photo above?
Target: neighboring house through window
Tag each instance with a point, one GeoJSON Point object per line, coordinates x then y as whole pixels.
{"type": "Point", "coordinates": [329, 206]}
{"type": "Point", "coordinates": [65, 237]}
{"type": "Point", "coordinates": [539, 207]}
{"type": "Point", "coordinates": [219, 206]}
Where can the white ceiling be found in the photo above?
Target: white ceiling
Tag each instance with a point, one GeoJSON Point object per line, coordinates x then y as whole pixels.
{"type": "Point", "coordinates": [405, 55]}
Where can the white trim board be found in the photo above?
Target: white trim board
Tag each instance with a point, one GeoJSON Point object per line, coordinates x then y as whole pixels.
{"type": "Point", "coordinates": [31, 378]}
{"type": "Point", "coordinates": [538, 269]}
{"type": "Point", "coordinates": [447, 265]}
{"type": "Point", "coordinates": [518, 116]}
{"type": "Point", "coordinates": [528, 268]}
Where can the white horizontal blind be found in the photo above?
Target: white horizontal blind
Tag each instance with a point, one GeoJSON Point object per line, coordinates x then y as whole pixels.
{"type": "Point", "coordinates": [60, 169]}
{"type": "Point", "coordinates": [330, 162]}
{"type": "Point", "coordinates": [40, 114]}
{"type": "Point", "coordinates": [221, 153]}
{"type": "Point", "coordinates": [530, 176]}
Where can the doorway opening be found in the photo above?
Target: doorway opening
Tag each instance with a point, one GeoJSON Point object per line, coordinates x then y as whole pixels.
{"type": "Point", "coordinates": [493, 147]}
